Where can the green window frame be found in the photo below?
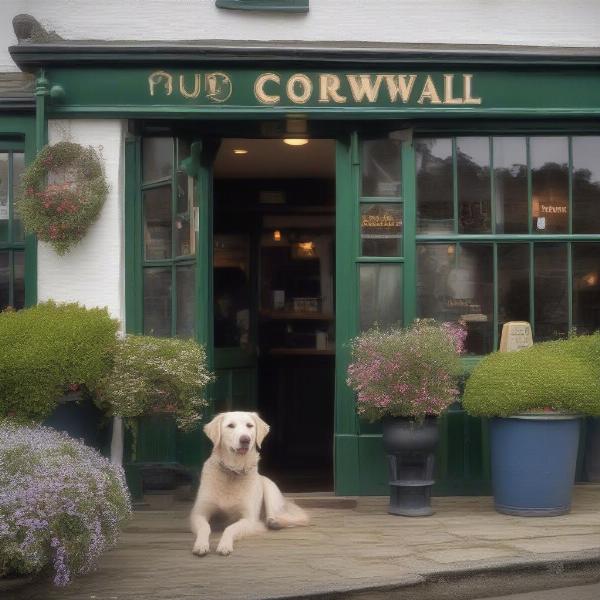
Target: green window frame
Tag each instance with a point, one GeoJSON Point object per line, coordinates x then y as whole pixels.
{"type": "Point", "coordinates": [12, 237]}
{"type": "Point", "coordinates": [569, 242]}
{"type": "Point", "coordinates": [292, 6]}
{"type": "Point", "coordinates": [174, 273]}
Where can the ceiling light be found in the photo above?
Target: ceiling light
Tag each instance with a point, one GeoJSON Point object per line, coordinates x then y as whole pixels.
{"type": "Point", "coordinates": [277, 235]}
{"type": "Point", "coordinates": [240, 151]}
{"type": "Point", "coordinates": [295, 141]}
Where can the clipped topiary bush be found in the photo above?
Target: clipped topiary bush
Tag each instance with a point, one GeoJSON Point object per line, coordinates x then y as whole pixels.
{"type": "Point", "coordinates": [61, 504]}
{"type": "Point", "coordinates": [47, 349]}
{"type": "Point", "coordinates": [562, 375]}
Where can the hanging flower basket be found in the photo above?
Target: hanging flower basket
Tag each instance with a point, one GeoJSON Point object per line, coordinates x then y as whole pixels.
{"type": "Point", "coordinates": [62, 193]}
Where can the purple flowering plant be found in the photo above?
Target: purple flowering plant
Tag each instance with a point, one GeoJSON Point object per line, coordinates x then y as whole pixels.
{"type": "Point", "coordinates": [406, 372]}
{"type": "Point", "coordinates": [61, 503]}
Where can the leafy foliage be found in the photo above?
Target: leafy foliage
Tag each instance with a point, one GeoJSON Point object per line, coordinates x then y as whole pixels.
{"type": "Point", "coordinates": [562, 375]}
{"type": "Point", "coordinates": [61, 503]}
{"type": "Point", "coordinates": [410, 372]}
{"type": "Point", "coordinates": [153, 374]}
{"type": "Point", "coordinates": [61, 212]}
{"type": "Point", "coordinates": [47, 349]}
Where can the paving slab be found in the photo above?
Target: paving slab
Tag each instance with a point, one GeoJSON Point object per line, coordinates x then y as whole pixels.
{"type": "Point", "coordinates": [351, 550]}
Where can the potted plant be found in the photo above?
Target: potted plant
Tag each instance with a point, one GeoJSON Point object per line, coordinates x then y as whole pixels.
{"type": "Point", "coordinates": [536, 398]}
{"type": "Point", "coordinates": [150, 377]}
{"type": "Point", "coordinates": [405, 377]}
{"type": "Point", "coordinates": [51, 359]}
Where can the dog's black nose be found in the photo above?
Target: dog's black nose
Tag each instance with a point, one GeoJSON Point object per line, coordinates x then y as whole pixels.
{"type": "Point", "coordinates": [245, 440]}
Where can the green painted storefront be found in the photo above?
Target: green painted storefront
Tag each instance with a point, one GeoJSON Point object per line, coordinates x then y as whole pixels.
{"type": "Point", "coordinates": [395, 97]}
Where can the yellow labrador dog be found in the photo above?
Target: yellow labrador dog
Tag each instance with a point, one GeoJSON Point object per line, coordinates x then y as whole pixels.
{"type": "Point", "coordinates": [231, 485]}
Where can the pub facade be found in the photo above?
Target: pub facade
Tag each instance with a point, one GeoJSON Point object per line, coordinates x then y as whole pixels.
{"type": "Point", "coordinates": [274, 198]}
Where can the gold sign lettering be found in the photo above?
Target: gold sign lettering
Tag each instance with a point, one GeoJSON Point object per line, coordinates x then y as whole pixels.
{"type": "Point", "coordinates": [272, 89]}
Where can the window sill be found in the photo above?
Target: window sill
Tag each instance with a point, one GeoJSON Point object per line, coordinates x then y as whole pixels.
{"type": "Point", "coordinates": [290, 6]}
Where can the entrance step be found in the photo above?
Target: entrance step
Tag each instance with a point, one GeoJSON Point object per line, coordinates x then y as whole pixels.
{"type": "Point", "coordinates": [323, 500]}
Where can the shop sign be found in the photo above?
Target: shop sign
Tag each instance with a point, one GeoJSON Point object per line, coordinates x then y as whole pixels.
{"type": "Point", "coordinates": [273, 89]}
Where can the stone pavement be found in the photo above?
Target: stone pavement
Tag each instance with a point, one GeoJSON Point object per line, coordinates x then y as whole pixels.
{"type": "Point", "coordinates": [465, 550]}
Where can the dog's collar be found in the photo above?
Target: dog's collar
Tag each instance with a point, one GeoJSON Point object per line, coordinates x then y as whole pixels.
{"type": "Point", "coordinates": [231, 469]}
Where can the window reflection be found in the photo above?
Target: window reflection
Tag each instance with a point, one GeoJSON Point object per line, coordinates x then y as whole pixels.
{"type": "Point", "coordinates": [510, 184]}
{"type": "Point", "coordinates": [513, 283]}
{"type": "Point", "coordinates": [157, 301]}
{"type": "Point", "coordinates": [586, 287]}
{"type": "Point", "coordinates": [157, 223]}
{"type": "Point", "coordinates": [550, 182]}
{"type": "Point", "coordinates": [381, 168]}
{"type": "Point", "coordinates": [456, 284]}
{"type": "Point", "coordinates": [474, 193]}
{"type": "Point", "coordinates": [550, 291]}
{"type": "Point", "coordinates": [586, 185]}
{"type": "Point", "coordinates": [435, 207]}
{"type": "Point", "coordinates": [380, 295]}
{"type": "Point", "coordinates": [157, 156]}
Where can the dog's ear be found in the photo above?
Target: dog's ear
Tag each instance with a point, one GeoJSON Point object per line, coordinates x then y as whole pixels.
{"type": "Point", "coordinates": [213, 430]}
{"type": "Point", "coordinates": [261, 429]}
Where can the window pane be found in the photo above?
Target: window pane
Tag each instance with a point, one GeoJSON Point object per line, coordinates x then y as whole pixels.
{"type": "Point", "coordinates": [157, 223]}
{"type": "Point", "coordinates": [381, 168]}
{"type": "Point", "coordinates": [586, 185]}
{"type": "Point", "coordinates": [550, 180]}
{"type": "Point", "coordinates": [380, 295]}
{"type": "Point", "coordinates": [4, 211]}
{"type": "Point", "coordinates": [186, 300]}
{"type": "Point", "coordinates": [18, 168]}
{"type": "Point", "coordinates": [513, 283]}
{"type": "Point", "coordinates": [586, 287]}
{"type": "Point", "coordinates": [19, 279]}
{"type": "Point", "coordinates": [157, 301]}
{"type": "Point", "coordinates": [473, 174]}
{"type": "Point", "coordinates": [4, 279]}
{"type": "Point", "coordinates": [458, 288]}
{"type": "Point", "coordinates": [381, 229]}
{"type": "Point", "coordinates": [157, 156]}
{"type": "Point", "coordinates": [435, 207]}
{"type": "Point", "coordinates": [510, 184]}
{"type": "Point", "coordinates": [551, 290]}
{"type": "Point", "coordinates": [184, 232]}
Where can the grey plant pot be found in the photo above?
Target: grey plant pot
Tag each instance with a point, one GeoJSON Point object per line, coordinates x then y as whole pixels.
{"type": "Point", "coordinates": [411, 460]}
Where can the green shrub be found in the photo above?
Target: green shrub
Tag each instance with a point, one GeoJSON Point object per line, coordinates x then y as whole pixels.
{"type": "Point", "coordinates": [47, 349]}
{"type": "Point", "coordinates": [562, 375]}
{"type": "Point", "coordinates": [153, 374]}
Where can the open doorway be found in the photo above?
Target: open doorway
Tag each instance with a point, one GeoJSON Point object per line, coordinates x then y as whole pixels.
{"type": "Point", "coordinates": [274, 298]}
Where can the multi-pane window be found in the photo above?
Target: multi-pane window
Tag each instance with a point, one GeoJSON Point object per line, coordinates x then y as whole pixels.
{"type": "Point", "coordinates": [168, 259]}
{"type": "Point", "coordinates": [12, 241]}
{"type": "Point", "coordinates": [508, 228]}
{"type": "Point", "coordinates": [381, 233]}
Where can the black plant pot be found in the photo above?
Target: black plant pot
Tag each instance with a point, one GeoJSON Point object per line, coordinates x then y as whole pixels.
{"type": "Point", "coordinates": [411, 456]}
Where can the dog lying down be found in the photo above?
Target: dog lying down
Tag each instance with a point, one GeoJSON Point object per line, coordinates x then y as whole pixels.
{"type": "Point", "coordinates": [231, 485]}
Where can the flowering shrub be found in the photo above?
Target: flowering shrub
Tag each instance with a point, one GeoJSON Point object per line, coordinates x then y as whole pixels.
{"type": "Point", "coordinates": [61, 211]}
{"type": "Point", "coordinates": [61, 503]}
{"type": "Point", "coordinates": [153, 374]}
{"type": "Point", "coordinates": [411, 372]}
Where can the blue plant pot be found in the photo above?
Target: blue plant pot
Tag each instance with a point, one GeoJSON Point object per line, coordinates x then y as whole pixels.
{"type": "Point", "coordinates": [533, 463]}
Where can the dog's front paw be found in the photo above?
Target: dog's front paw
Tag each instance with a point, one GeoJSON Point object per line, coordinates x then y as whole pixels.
{"type": "Point", "coordinates": [200, 549]}
{"type": "Point", "coordinates": [273, 523]}
{"type": "Point", "coordinates": [224, 548]}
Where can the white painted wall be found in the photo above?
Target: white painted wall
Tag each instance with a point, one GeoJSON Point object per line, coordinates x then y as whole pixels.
{"type": "Point", "coordinates": [92, 273]}
{"type": "Point", "coordinates": [509, 22]}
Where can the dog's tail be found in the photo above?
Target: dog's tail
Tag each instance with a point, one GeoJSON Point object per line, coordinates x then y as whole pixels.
{"type": "Point", "coordinates": [281, 512]}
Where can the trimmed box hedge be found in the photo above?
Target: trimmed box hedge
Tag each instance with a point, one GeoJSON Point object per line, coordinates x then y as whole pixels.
{"type": "Point", "coordinates": [47, 349]}
{"type": "Point", "coordinates": [561, 375]}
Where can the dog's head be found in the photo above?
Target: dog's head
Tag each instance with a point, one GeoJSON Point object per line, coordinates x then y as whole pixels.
{"type": "Point", "coordinates": [237, 432]}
